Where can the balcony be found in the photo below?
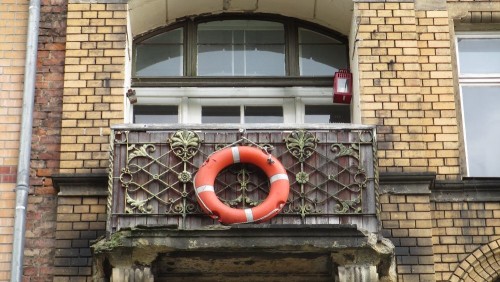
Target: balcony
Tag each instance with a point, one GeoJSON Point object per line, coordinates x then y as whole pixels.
{"type": "Point", "coordinates": [331, 169]}
{"type": "Point", "coordinates": [326, 230]}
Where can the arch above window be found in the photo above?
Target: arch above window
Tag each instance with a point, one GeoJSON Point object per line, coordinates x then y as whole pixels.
{"type": "Point", "coordinates": [242, 50]}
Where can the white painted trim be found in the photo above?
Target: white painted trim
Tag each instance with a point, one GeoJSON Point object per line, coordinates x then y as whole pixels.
{"type": "Point", "coordinates": [477, 80]}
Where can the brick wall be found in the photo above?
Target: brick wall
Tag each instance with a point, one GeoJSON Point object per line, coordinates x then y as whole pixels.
{"type": "Point", "coordinates": [42, 202]}
{"type": "Point", "coordinates": [80, 220]}
{"type": "Point", "coordinates": [93, 84]}
{"type": "Point", "coordinates": [461, 228]}
{"type": "Point", "coordinates": [13, 25]}
{"type": "Point", "coordinates": [406, 221]}
{"type": "Point", "coordinates": [406, 85]}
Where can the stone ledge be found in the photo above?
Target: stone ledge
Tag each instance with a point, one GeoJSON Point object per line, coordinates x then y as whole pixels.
{"type": "Point", "coordinates": [467, 190]}
{"type": "Point", "coordinates": [81, 185]}
{"type": "Point", "coordinates": [144, 245]}
{"type": "Point", "coordinates": [406, 183]}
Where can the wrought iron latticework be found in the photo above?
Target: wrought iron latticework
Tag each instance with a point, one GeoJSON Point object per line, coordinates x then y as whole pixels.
{"type": "Point", "coordinates": [331, 170]}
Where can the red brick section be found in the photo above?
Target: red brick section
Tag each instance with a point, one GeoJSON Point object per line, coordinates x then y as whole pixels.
{"type": "Point", "coordinates": [8, 174]}
{"type": "Point", "coordinates": [41, 212]}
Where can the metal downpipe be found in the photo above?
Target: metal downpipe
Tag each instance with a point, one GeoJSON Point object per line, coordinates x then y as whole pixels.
{"type": "Point", "coordinates": [23, 166]}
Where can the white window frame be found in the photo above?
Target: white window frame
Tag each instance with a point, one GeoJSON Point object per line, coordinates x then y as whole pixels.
{"type": "Point", "coordinates": [478, 80]}
{"type": "Point", "coordinates": [191, 99]}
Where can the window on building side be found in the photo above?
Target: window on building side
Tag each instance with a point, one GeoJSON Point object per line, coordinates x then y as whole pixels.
{"type": "Point", "coordinates": [238, 70]}
{"type": "Point", "coordinates": [479, 76]}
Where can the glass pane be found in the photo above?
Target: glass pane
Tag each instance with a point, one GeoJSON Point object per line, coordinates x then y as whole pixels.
{"type": "Point", "coordinates": [481, 117]}
{"type": "Point", "coordinates": [155, 114]}
{"type": "Point", "coordinates": [158, 60]}
{"type": "Point", "coordinates": [161, 55]}
{"type": "Point", "coordinates": [169, 37]}
{"type": "Point", "coordinates": [479, 55]}
{"type": "Point", "coordinates": [220, 114]}
{"type": "Point", "coordinates": [327, 114]}
{"type": "Point", "coordinates": [320, 55]}
{"type": "Point", "coordinates": [241, 48]}
{"type": "Point", "coordinates": [263, 114]}
{"type": "Point", "coordinates": [215, 60]}
{"type": "Point", "coordinates": [265, 60]}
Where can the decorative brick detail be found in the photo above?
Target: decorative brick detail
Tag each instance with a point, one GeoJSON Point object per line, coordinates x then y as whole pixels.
{"type": "Point", "coordinates": [94, 79]}
{"type": "Point", "coordinates": [461, 228]}
{"type": "Point", "coordinates": [481, 265]}
{"type": "Point", "coordinates": [8, 174]}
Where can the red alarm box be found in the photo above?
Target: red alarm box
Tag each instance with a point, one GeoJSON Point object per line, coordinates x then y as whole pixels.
{"type": "Point", "coordinates": [342, 87]}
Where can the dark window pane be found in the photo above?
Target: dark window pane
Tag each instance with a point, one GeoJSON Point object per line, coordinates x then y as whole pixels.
{"type": "Point", "coordinates": [220, 114]}
{"type": "Point", "coordinates": [155, 114]}
{"type": "Point", "coordinates": [479, 55]}
{"type": "Point", "coordinates": [327, 114]}
{"type": "Point", "coordinates": [320, 55]}
{"type": "Point", "coordinates": [263, 114]}
{"type": "Point", "coordinates": [481, 117]}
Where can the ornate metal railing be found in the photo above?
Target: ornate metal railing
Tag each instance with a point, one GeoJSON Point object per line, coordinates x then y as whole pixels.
{"type": "Point", "coordinates": [332, 172]}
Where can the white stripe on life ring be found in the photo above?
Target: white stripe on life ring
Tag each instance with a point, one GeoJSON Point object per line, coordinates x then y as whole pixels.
{"type": "Point", "coordinates": [236, 154]}
{"type": "Point", "coordinates": [249, 215]}
{"type": "Point", "coordinates": [278, 176]}
{"type": "Point", "coordinates": [204, 188]}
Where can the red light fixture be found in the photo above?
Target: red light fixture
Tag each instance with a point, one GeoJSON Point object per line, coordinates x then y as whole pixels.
{"type": "Point", "coordinates": [342, 87]}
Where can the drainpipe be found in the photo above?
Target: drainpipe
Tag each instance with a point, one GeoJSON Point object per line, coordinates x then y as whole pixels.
{"type": "Point", "coordinates": [23, 166]}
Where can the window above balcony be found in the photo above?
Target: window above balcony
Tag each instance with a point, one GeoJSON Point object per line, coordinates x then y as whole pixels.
{"type": "Point", "coordinates": [238, 69]}
{"type": "Point", "coordinates": [240, 50]}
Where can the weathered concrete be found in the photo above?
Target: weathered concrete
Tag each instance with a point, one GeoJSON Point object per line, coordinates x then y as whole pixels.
{"type": "Point", "coordinates": [299, 249]}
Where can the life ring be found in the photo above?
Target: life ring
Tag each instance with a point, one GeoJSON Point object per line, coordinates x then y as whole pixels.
{"type": "Point", "coordinates": [210, 203]}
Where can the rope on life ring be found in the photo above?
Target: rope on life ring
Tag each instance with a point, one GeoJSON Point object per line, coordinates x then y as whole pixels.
{"type": "Point", "coordinates": [210, 203]}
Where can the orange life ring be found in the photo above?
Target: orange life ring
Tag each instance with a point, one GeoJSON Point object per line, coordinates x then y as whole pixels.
{"type": "Point", "coordinates": [210, 203]}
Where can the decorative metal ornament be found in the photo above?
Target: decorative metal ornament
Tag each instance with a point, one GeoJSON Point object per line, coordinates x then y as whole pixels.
{"type": "Point", "coordinates": [301, 144]}
{"type": "Point", "coordinates": [185, 144]}
{"type": "Point", "coordinates": [302, 177]}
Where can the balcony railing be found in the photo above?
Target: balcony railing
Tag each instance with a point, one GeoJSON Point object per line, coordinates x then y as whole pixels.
{"type": "Point", "coordinates": [331, 168]}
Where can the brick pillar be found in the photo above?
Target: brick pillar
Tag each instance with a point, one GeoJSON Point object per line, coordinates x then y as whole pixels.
{"type": "Point", "coordinates": [406, 221]}
{"type": "Point", "coordinates": [93, 84]}
{"type": "Point", "coordinates": [81, 219]}
{"type": "Point", "coordinates": [406, 87]}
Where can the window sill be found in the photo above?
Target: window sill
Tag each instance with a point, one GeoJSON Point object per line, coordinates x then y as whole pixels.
{"type": "Point", "coordinates": [233, 82]}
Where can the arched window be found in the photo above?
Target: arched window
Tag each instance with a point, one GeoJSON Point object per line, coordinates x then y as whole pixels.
{"type": "Point", "coordinates": [229, 54]}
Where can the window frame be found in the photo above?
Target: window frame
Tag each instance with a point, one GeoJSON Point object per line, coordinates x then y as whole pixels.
{"type": "Point", "coordinates": [189, 79]}
{"type": "Point", "coordinates": [190, 100]}
{"type": "Point", "coordinates": [468, 80]}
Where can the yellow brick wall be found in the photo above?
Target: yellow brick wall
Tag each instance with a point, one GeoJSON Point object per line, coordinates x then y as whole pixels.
{"type": "Point", "coordinates": [406, 85]}
{"type": "Point", "coordinates": [459, 229]}
{"type": "Point", "coordinates": [13, 27]}
{"type": "Point", "coordinates": [93, 84]}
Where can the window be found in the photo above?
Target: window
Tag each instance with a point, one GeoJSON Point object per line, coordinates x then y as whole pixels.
{"type": "Point", "coordinates": [238, 70]}
{"type": "Point", "coordinates": [479, 76]}
{"type": "Point", "coordinates": [241, 48]}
